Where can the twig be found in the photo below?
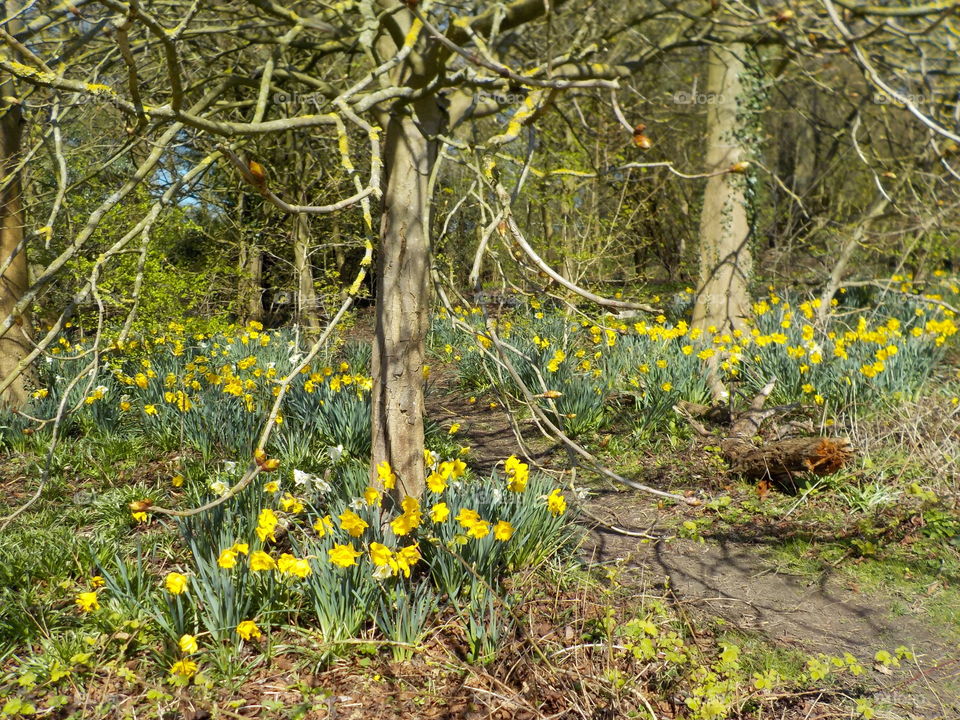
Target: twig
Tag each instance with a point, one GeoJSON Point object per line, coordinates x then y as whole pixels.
{"type": "Point", "coordinates": [254, 469]}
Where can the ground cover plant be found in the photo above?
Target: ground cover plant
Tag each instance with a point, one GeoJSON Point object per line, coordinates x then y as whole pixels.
{"type": "Point", "coordinates": [315, 571]}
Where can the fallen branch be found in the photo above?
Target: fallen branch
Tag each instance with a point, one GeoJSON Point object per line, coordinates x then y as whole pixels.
{"type": "Point", "coordinates": [592, 461]}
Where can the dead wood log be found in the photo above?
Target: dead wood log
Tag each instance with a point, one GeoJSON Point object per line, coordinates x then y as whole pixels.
{"type": "Point", "coordinates": [713, 413]}
{"type": "Point", "coordinates": [781, 460]}
{"type": "Point", "coordinates": [777, 461]}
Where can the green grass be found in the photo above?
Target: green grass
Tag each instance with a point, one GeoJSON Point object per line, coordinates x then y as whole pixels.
{"type": "Point", "coordinates": [758, 654]}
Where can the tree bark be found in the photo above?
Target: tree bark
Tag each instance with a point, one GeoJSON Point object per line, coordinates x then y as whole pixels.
{"type": "Point", "coordinates": [339, 256]}
{"type": "Point", "coordinates": [13, 344]}
{"type": "Point", "coordinates": [306, 294]}
{"type": "Point", "coordinates": [249, 267]}
{"type": "Point", "coordinates": [251, 282]}
{"type": "Point", "coordinates": [780, 461]}
{"type": "Point", "coordinates": [723, 299]}
{"type": "Point", "coordinates": [403, 295]}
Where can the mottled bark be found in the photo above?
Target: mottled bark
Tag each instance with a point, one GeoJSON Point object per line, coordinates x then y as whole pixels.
{"type": "Point", "coordinates": [306, 294]}
{"type": "Point", "coordinates": [723, 299]}
{"type": "Point", "coordinates": [782, 460]}
{"type": "Point", "coordinates": [13, 344]}
{"type": "Point", "coordinates": [251, 282]}
{"type": "Point", "coordinates": [249, 267]}
{"type": "Point", "coordinates": [403, 296]}
{"type": "Point", "coordinates": [778, 461]}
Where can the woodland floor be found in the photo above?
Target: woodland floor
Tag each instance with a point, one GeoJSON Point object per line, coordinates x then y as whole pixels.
{"type": "Point", "coordinates": [733, 580]}
{"type": "Point", "coordinates": [744, 582]}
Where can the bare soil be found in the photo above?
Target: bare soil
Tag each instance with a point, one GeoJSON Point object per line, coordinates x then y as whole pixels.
{"type": "Point", "coordinates": [736, 579]}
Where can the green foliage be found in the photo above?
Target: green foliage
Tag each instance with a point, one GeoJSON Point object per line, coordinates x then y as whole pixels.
{"type": "Point", "coordinates": [577, 367]}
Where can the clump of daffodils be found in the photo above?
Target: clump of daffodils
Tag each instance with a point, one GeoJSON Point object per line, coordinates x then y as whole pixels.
{"type": "Point", "coordinates": [327, 550]}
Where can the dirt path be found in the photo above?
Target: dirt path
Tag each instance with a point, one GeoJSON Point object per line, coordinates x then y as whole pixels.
{"type": "Point", "coordinates": [486, 430]}
{"type": "Point", "coordinates": [736, 581]}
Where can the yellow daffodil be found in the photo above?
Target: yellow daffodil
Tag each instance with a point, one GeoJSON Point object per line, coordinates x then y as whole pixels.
{"type": "Point", "coordinates": [556, 502]}
{"type": "Point", "coordinates": [184, 668]}
{"type": "Point", "coordinates": [188, 644]}
{"type": "Point", "coordinates": [404, 524]}
{"type": "Point", "coordinates": [291, 504]}
{"type": "Point", "coordinates": [227, 559]}
{"type": "Point", "coordinates": [266, 525]}
{"type": "Point", "coordinates": [323, 525]}
{"type": "Point", "coordinates": [261, 561]}
{"type": "Point", "coordinates": [87, 602]}
{"type": "Point", "coordinates": [353, 523]}
{"type": "Point", "coordinates": [517, 474]}
{"type": "Point", "coordinates": [386, 475]}
{"type": "Point", "coordinates": [248, 630]}
{"type": "Point", "coordinates": [380, 554]}
{"type": "Point", "coordinates": [287, 564]}
{"type": "Point", "coordinates": [439, 512]}
{"type": "Point", "coordinates": [479, 530]}
{"type": "Point", "coordinates": [175, 583]}
{"type": "Point", "coordinates": [343, 555]}
{"type": "Point", "coordinates": [503, 531]}
{"type": "Point", "coordinates": [467, 518]}
{"type": "Point", "coordinates": [407, 557]}
{"type": "Point", "coordinates": [436, 482]}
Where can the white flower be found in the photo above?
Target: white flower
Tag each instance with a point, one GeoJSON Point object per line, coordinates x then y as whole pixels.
{"type": "Point", "coordinates": [307, 481]}
{"type": "Point", "coordinates": [497, 497]}
{"type": "Point", "coordinates": [335, 452]}
{"type": "Point", "coordinates": [229, 466]}
{"type": "Point", "coordinates": [219, 487]}
{"type": "Point", "coordinates": [382, 572]}
{"type": "Point", "coordinates": [358, 504]}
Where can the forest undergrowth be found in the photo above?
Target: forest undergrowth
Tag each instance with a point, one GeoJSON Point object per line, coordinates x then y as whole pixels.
{"type": "Point", "coordinates": [316, 592]}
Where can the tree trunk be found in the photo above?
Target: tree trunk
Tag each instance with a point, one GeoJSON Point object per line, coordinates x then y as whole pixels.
{"type": "Point", "coordinates": [403, 295]}
{"type": "Point", "coordinates": [339, 256]}
{"type": "Point", "coordinates": [306, 294]}
{"type": "Point", "coordinates": [13, 344]}
{"type": "Point", "coordinates": [249, 267]}
{"type": "Point", "coordinates": [723, 299]}
{"type": "Point", "coordinates": [251, 282]}
{"type": "Point", "coordinates": [782, 460]}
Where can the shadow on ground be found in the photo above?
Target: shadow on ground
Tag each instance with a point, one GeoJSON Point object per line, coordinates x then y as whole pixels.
{"type": "Point", "coordinates": [734, 581]}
